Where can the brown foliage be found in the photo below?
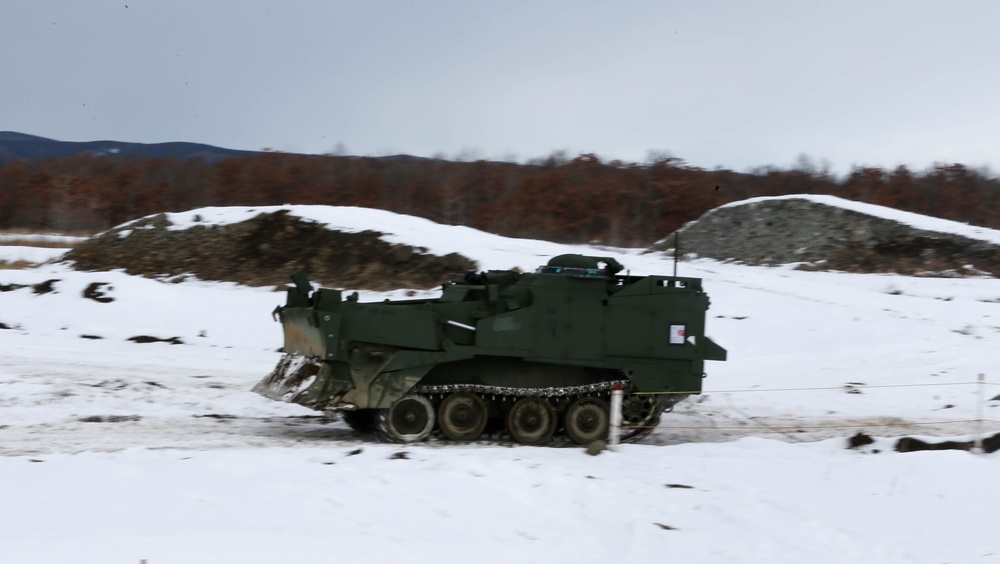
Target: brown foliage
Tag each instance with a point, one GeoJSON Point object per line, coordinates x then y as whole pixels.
{"type": "Point", "coordinates": [567, 200]}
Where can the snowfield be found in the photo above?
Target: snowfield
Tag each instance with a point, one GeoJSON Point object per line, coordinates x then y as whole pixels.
{"type": "Point", "coordinates": [32, 255]}
{"type": "Point", "coordinates": [113, 451]}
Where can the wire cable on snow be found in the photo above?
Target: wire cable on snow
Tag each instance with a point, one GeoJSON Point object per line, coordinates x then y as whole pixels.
{"type": "Point", "coordinates": [847, 386]}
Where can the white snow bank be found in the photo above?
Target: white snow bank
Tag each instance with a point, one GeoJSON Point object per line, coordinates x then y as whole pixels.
{"type": "Point", "coordinates": [41, 238]}
{"type": "Point", "coordinates": [907, 218]}
{"type": "Point", "coordinates": [33, 255]}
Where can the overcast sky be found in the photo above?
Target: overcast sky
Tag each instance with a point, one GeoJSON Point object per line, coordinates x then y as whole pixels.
{"type": "Point", "coordinates": [736, 84]}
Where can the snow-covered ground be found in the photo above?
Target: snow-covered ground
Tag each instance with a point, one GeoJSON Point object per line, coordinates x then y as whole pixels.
{"type": "Point", "coordinates": [13, 254]}
{"type": "Point", "coordinates": [32, 249]}
{"type": "Point", "coordinates": [115, 451]}
{"type": "Point", "coordinates": [43, 239]}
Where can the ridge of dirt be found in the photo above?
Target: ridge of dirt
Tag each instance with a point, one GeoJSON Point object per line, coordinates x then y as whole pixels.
{"type": "Point", "coordinates": [264, 251]}
{"type": "Point", "coordinates": [819, 236]}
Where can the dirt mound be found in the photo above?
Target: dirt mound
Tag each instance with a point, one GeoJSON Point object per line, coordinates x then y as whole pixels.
{"type": "Point", "coordinates": [912, 444]}
{"type": "Point", "coordinates": [828, 237]}
{"type": "Point", "coordinates": [264, 251]}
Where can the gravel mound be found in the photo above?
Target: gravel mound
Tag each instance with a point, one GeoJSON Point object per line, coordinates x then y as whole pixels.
{"type": "Point", "coordinates": [819, 236]}
{"type": "Point", "coordinates": [264, 251]}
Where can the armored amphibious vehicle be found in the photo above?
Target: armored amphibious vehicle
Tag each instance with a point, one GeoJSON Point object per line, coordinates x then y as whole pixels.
{"type": "Point", "coordinates": [524, 355]}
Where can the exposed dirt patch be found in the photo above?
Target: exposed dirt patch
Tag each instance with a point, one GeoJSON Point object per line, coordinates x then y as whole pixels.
{"type": "Point", "coordinates": [17, 265]}
{"type": "Point", "coordinates": [95, 291]}
{"type": "Point", "coordinates": [264, 251]}
{"type": "Point", "coordinates": [45, 287]}
{"type": "Point", "coordinates": [109, 418]}
{"type": "Point", "coordinates": [149, 339]}
{"type": "Point", "coordinates": [910, 444]}
{"type": "Point", "coordinates": [115, 384]}
{"type": "Point", "coordinates": [29, 241]}
{"type": "Point", "coordinates": [859, 440]}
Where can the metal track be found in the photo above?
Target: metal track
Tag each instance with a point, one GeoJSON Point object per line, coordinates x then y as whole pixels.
{"type": "Point", "coordinates": [503, 393]}
{"type": "Point", "coordinates": [290, 378]}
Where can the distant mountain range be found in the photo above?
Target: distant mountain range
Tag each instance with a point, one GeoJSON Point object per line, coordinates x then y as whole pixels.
{"type": "Point", "coordinates": [14, 145]}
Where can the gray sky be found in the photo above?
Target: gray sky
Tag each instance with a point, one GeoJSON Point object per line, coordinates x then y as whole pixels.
{"type": "Point", "coordinates": [736, 84]}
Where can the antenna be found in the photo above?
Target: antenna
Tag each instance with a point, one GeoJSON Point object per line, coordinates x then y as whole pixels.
{"type": "Point", "coordinates": [677, 250]}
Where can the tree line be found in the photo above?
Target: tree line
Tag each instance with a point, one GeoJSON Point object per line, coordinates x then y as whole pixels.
{"type": "Point", "coordinates": [573, 200]}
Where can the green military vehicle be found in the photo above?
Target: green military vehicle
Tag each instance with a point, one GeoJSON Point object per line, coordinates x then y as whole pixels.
{"type": "Point", "coordinates": [520, 354]}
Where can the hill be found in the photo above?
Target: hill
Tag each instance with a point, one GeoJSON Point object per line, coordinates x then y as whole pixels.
{"type": "Point", "coordinates": [14, 145]}
{"type": "Point", "coordinates": [336, 245]}
{"type": "Point", "coordinates": [830, 233]}
{"type": "Point", "coordinates": [263, 246]}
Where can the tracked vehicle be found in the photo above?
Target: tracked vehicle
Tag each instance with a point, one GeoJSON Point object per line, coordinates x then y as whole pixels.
{"type": "Point", "coordinates": [516, 355]}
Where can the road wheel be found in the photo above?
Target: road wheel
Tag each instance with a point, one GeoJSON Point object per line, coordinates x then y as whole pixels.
{"type": "Point", "coordinates": [409, 420]}
{"type": "Point", "coordinates": [462, 416]}
{"type": "Point", "coordinates": [587, 420]}
{"type": "Point", "coordinates": [532, 421]}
